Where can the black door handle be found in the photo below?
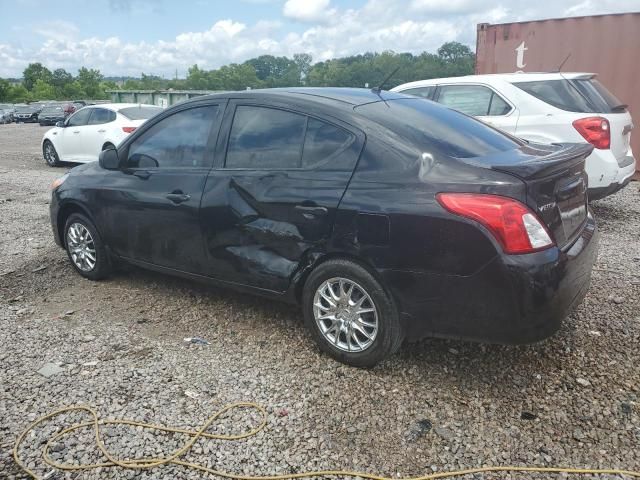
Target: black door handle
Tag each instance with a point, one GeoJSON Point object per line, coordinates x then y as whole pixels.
{"type": "Point", "coordinates": [310, 212]}
{"type": "Point", "coordinates": [143, 174]}
{"type": "Point", "coordinates": [176, 197]}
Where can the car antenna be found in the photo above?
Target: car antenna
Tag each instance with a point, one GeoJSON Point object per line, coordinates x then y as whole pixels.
{"type": "Point", "coordinates": [378, 89]}
{"type": "Point", "coordinates": [562, 63]}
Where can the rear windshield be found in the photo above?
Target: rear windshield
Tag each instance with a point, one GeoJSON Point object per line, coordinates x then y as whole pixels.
{"type": "Point", "coordinates": [428, 125]}
{"type": "Point", "coordinates": [140, 113]}
{"type": "Point", "coordinates": [585, 95]}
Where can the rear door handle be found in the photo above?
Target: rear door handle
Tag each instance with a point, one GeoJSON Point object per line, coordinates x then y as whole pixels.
{"type": "Point", "coordinates": [310, 212]}
{"type": "Point", "coordinates": [76, 131]}
{"type": "Point", "coordinates": [101, 131]}
{"type": "Point", "coordinates": [143, 174]}
{"type": "Point", "coordinates": [178, 197]}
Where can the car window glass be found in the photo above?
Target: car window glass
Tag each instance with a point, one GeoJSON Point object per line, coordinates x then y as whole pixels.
{"type": "Point", "coordinates": [324, 142]}
{"type": "Point", "coordinates": [101, 115]}
{"type": "Point", "coordinates": [498, 106]}
{"type": "Point", "coordinates": [79, 118]}
{"type": "Point", "coordinates": [558, 93]}
{"type": "Point", "coordinates": [470, 99]}
{"type": "Point", "coordinates": [179, 140]}
{"type": "Point", "coordinates": [424, 92]}
{"type": "Point", "coordinates": [141, 112]}
{"type": "Point", "coordinates": [263, 137]}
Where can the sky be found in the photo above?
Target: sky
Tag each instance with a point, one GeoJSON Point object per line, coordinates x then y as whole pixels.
{"type": "Point", "coordinates": [161, 37]}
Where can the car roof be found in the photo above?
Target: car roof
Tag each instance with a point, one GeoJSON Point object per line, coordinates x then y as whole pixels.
{"type": "Point", "coordinates": [118, 106]}
{"type": "Point", "coordinates": [340, 97]}
{"type": "Point", "coordinates": [507, 77]}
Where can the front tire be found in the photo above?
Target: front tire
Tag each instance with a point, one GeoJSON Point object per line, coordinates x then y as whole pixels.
{"type": "Point", "coordinates": [50, 155]}
{"type": "Point", "coordinates": [350, 315]}
{"type": "Point", "coordinates": [85, 248]}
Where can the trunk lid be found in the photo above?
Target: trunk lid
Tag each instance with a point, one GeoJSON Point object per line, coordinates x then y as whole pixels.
{"type": "Point", "coordinates": [556, 185]}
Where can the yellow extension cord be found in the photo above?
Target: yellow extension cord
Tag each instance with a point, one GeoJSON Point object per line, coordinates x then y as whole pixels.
{"type": "Point", "coordinates": [146, 463]}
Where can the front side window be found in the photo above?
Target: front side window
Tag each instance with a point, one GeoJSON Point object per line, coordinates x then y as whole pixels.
{"type": "Point", "coordinates": [80, 118]}
{"type": "Point", "coordinates": [474, 100]}
{"type": "Point", "coordinates": [424, 92]}
{"type": "Point", "coordinates": [101, 115]}
{"type": "Point", "coordinates": [265, 138]}
{"type": "Point", "coordinates": [177, 141]}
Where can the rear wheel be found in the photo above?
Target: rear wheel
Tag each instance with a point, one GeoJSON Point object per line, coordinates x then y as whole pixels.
{"type": "Point", "coordinates": [50, 155]}
{"type": "Point", "coordinates": [85, 248]}
{"type": "Point", "coordinates": [350, 315]}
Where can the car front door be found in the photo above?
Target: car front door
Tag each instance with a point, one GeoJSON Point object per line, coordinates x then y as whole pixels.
{"type": "Point", "coordinates": [273, 195]}
{"type": "Point", "coordinates": [150, 207]}
{"type": "Point", "coordinates": [69, 141]}
{"type": "Point", "coordinates": [481, 102]}
{"type": "Point", "coordinates": [93, 137]}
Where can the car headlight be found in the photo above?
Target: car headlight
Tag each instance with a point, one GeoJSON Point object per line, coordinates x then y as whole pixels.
{"type": "Point", "coordinates": [59, 181]}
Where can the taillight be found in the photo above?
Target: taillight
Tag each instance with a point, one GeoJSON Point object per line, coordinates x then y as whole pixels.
{"type": "Point", "coordinates": [595, 130]}
{"type": "Point", "coordinates": [128, 129]}
{"type": "Point", "coordinates": [515, 227]}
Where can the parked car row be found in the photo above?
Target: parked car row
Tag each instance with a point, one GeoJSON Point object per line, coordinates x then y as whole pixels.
{"type": "Point", "coordinates": [44, 113]}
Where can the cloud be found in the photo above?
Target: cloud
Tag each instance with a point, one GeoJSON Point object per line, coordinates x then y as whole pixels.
{"type": "Point", "coordinates": [306, 10]}
{"type": "Point", "coordinates": [325, 31]}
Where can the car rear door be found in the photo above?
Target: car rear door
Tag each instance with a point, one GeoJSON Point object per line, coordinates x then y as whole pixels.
{"type": "Point", "coordinates": [481, 102]}
{"type": "Point", "coordinates": [273, 195]}
{"type": "Point", "coordinates": [150, 208]}
{"type": "Point", "coordinates": [93, 136]}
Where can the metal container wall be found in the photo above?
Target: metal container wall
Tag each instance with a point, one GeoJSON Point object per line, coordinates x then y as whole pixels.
{"type": "Point", "coordinates": [608, 45]}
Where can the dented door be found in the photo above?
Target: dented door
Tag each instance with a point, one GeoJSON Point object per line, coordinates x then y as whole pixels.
{"type": "Point", "coordinates": [261, 211]}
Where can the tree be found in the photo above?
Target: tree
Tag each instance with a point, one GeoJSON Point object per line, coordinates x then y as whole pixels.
{"type": "Point", "coordinates": [454, 52]}
{"type": "Point", "coordinates": [60, 77]}
{"type": "Point", "coordinates": [89, 80]}
{"type": "Point", "coordinates": [303, 61]}
{"type": "Point", "coordinates": [5, 88]}
{"type": "Point", "coordinates": [35, 72]}
{"type": "Point", "coordinates": [43, 91]}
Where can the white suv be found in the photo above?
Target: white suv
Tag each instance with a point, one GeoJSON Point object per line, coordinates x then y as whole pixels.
{"type": "Point", "coordinates": [547, 108]}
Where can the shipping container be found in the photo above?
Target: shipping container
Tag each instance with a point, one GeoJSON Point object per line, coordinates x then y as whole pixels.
{"type": "Point", "coordinates": [607, 45]}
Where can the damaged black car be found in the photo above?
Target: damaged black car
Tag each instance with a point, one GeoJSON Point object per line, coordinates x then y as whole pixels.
{"type": "Point", "coordinates": [385, 217]}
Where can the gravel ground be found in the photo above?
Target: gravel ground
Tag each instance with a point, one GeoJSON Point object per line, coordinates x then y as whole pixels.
{"type": "Point", "coordinates": [437, 405]}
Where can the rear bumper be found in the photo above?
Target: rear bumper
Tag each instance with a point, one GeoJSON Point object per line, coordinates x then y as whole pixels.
{"type": "Point", "coordinates": [601, 192]}
{"type": "Point", "coordinates": [514, 299]}
{"type": "Point", "coordinates": [50, 121]}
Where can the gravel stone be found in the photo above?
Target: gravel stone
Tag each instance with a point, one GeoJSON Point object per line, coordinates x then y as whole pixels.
{"type": "Point", "coordinates": [336, 416]}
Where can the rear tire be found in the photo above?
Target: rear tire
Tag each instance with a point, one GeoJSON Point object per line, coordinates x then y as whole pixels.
{"type": "Point", "coordinates": [50, 155]}
{"type": "Point", "coordinates": [350, 315]}
{"type": "Point", "coordinates": [85, 248]}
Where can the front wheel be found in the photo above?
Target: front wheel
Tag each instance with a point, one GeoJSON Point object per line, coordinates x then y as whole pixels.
{"type": "Point", "coordinates": [50, 155]}
{"type": "Point", "coordinates": [350, 315]}
{"type": "Point", "coordinates": [85, 248]}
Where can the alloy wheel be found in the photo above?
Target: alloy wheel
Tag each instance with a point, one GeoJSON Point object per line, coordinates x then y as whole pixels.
{"type": "Point", "coordinates": [81, 247]}
{"type": "Point", "coordinates": [345, 314]}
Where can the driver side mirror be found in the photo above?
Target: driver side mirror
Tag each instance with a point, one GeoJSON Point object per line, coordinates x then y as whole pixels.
{"type": "Point", "coordinates": [109, 159]}
{"type": "Point", "coordinates": [60, 124]}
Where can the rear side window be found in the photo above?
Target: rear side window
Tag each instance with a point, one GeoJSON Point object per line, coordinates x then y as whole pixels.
{"type": "Point", "coordinates": [583, 95]}
{"type": "Point", "coordinates": [324, 142]}
{"type": "Point", "coordinates": [429, 127]}
{"type": "Point", "coordinates": [143, 112]}
{"type": "Point", "coordinates": [101, 115]}
{"type": "Point", "coordinates": [424, 92]}
{"type": "Point", "coordinates": [474, 100]}
{"type": "Point", "coordinates": [178, 141]}
{"type": "Point", "coordinates": [269, 138]}
{"type": "Point", "coordinates": [263, 137]}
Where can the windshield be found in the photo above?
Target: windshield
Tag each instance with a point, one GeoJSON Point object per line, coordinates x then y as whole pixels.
{"type": "Point", "coordinates": [583, 95]}
{"type": "Point", "coordinates": [27, 109]}
{"type": "Point", "coordinates": [53, 109]}
{"type": "Point", "coordinates": [143, 112]}
{"type": "Point", "coordinates": [429, 125]}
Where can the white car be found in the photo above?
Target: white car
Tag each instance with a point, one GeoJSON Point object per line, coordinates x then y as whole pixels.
{"type": "Point", "coordinates": [82, 136]}
{"type": "Point", "coordinates": [547, 108]}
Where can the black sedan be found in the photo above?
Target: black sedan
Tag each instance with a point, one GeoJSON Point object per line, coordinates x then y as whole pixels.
{"type": "Point", "coordinates": [51, 114]}
{"type": "Point", "coordinates": [386, 217]}
{"type": "Point", "coordinates": [27, 113]}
